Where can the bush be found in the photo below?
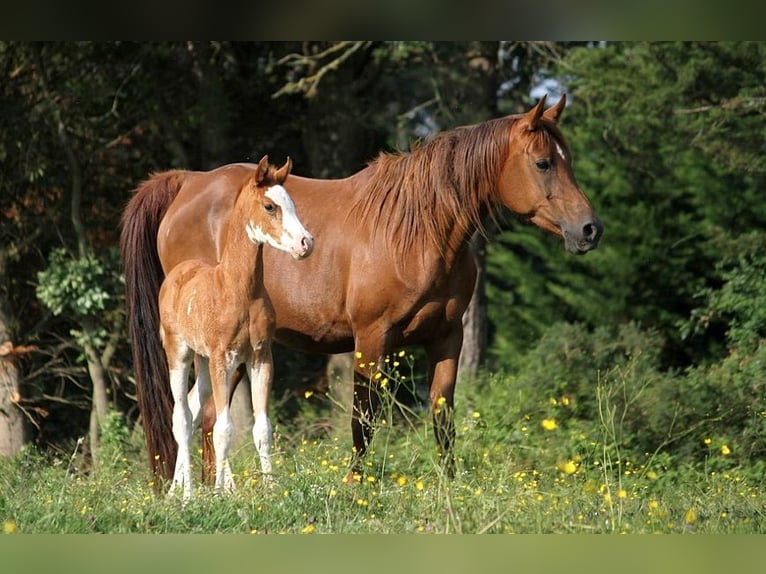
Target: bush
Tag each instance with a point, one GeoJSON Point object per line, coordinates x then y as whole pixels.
{"type": "Point", "coordinates": [605, 395]}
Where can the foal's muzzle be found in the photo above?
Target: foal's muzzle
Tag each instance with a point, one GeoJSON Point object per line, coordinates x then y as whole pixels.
{"type": "Point", "coordinates": [305, 247]}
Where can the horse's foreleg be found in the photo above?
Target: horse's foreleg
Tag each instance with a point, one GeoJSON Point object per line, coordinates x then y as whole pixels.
{"type": "Point", "coordinates": [182, 425]}
{"type": "Point", "coordinates": [221, 372]}
{"type": "Point", "coordinates": [261, 377]}
{"type": "Point", "coordinates": [443, 358]}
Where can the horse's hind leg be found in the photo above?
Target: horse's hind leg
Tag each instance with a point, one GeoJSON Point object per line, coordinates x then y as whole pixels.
{"type": "Point", "coordinates": [182, 422]}
{"type": "Point", "coordinates": [369, 352]}
{"type": "Point", "coordinates": [261, 376]}
{"type": "Point", "coordinates": [201, 391]}
{"type": "Point", "coordinates": [443, 357]}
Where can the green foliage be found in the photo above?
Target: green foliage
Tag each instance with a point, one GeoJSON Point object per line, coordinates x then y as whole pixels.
{"type": "Point", "coordinates": [80, 286]}
{"type": "Point", "coordinates": [740, 302]}
{"type": "Point", "coordinates": [665, 139]}
{"type": "Point", "coordinates": [83, 289]}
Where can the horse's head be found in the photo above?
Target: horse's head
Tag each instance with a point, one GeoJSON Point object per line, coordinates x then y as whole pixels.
{"type": "Point", "coordinates": [273, 219]}
{"type": "Point", "coordinates": [537, 180]}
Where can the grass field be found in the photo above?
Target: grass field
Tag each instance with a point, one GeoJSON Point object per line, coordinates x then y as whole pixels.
{"type": "Point", "coordinates": [529, 475]}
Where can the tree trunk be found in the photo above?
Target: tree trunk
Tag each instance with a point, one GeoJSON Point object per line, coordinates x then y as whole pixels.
{"type": "Point", "coordinates": [13, 424]}
{"type": "Point", "coordinates": [100, 400]}
{"type": "Point", "coordinates": [482, 65]}
{"type": "Point", "coordinates": [99, 404]}
{"type": "Point", "coordinates": [475, 317]}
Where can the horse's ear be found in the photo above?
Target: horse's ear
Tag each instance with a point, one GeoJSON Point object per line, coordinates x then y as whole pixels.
{"type": "Point", "coordinates": [554, 112]}
{"type": "Point", "coordinates": [281, 175]}
{"type": "Point", "coordinates": [261, 170]}
{"type": "Point", "coordinates": [533, 116]}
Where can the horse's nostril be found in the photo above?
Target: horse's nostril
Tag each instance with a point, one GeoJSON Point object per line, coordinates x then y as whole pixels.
{"type": "Point", "coordinates": [591, 231]}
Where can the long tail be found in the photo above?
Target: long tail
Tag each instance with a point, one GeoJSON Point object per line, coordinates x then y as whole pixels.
{"type": "Point", "coordinates": [143, 277]}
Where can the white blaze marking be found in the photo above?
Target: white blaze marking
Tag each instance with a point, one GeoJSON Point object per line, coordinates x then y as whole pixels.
{"type": "Point", "coordinates": [561, 151]}
{"type": "Point", "coordinates": [292, 229]}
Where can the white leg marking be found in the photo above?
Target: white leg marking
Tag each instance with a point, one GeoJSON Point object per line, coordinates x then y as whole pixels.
{"type": "Point", "coordinates": [261, 375]}
{"type": "Point", "coordinates": [182, 430]}
{"type": "Point", "coordinates": [222, 432]}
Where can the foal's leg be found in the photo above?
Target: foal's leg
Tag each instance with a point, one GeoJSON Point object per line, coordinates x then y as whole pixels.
{"type": "Point", "coordinates": [180, 364]}
{"type": "Point", "coordinates": [201, 391]}
{"type": "Point", "coordinates": [221, 371]}
{"type": "Point", "coordinates": [261, 377]}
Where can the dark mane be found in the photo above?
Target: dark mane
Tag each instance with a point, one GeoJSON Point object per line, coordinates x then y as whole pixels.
{"type": "Point", "coordinates": [446, 183]}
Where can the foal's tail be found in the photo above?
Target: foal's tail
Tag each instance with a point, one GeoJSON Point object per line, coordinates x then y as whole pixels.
{"type": "Point", "coordinates": [143, 277]}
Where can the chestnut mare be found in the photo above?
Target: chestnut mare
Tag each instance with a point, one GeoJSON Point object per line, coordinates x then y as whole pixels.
{"type": "Point", "coordinates": [392, 265]}
{"type": "Point", "coordinates": [220, 314]}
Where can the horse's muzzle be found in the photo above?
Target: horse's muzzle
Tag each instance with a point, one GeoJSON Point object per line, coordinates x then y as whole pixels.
{"type": "Point", "coordinates": [582, 240]}
{"type": "Point", "coordinates": [305, 248]}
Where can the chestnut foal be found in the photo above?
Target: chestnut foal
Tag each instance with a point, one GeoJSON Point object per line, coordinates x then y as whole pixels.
{"type": "Point", "coordinates": [221, 314]}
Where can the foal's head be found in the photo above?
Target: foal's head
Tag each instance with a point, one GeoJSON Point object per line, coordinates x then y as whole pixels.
{"type": "Point", "coordinates": [271, 212]}
{"type": "Point", "coordinates": [537, 180]}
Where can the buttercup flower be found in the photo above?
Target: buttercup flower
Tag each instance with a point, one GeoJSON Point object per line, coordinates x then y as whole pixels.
{"type": "Point", "coordinates": [9, 527]}
{"type": "Point", "coordinates": [549, 424]}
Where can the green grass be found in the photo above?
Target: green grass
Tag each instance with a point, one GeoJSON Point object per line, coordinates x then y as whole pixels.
{"type": "Point", "coordinates": [516, 474]}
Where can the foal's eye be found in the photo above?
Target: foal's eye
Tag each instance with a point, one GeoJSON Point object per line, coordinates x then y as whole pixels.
{"type": "Point", "coordinates": [269, 207]}
{"type": "Point", "coordinates": [543, 164]}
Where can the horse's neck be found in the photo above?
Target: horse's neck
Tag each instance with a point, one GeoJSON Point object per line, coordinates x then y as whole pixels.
{"type": "Point", "coordinates": [240, 261]}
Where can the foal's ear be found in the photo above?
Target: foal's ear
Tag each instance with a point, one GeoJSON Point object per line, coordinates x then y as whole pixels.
{"type": "Point", "coordinates": [281, 174]}
{"type": "Point", "coordinates": [532, 117]}
{"type": "Point", "coordinates": [554, 112]}
{"type": "Point", "coordinates": [261, 170]}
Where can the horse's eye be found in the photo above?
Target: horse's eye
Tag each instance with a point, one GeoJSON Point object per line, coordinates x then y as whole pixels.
{"type": "Point", "coordinates": [543, 164]}
{"type": "Point", "coordinates": [270, 208]}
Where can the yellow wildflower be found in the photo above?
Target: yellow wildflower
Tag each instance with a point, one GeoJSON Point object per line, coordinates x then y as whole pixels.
{"type": "Point", "coordinates": [707, 441]}
{"type": "Point", "coordinates": [549, 424]}
{"type": "Point", "coordinates": [308, 394]}
{"type": "Point", "coordinates": [308, 529]}
{"type": "Point", "coordinates": [419, 485]}
{"type": "Point", "coordinates": [358, 354]}
{"type": "Point", "coordinates": [653, 505]}
{"type": "Point", "coordinates": [568, 467]}
{"type": "Point", "coordinates": [622, 493]}
{"type": "Point", "coordinates": [691, 516]}
{"type": "Point", "coordinates": [725, 450]}
{"type": "Point", "coordinates": [9, 527]}
{"type": "Point", "coordinates": [401, 481]}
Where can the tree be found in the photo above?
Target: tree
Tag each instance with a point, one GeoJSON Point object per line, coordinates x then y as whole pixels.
{"type": "Point", "coordinates": [664, 138]}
